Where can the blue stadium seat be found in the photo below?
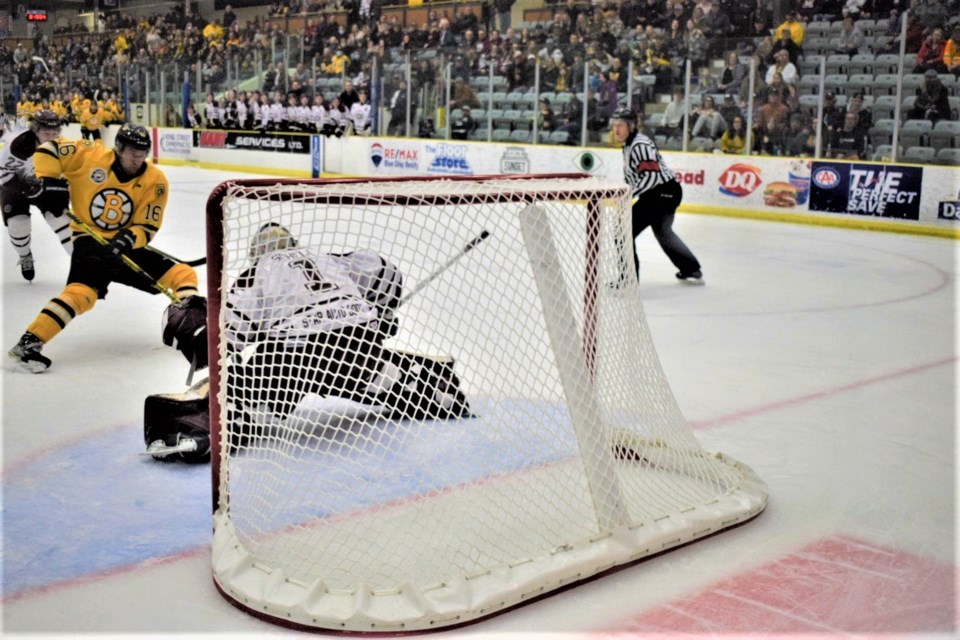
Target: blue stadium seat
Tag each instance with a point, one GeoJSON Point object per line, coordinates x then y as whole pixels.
{"type": "Point", "coordinates": [886, 63]}
{"type": "Point", "coordinates": [950, 157]}
{"type": "Point", "coordinates": [885, 84]}
{"type": "Point", "coordinates": [884, 152]}
{"type": "Point", "coordinates": [810, 64]}
{"type": "Point", "coordinates": [912, 82]}
{"type": "Point", "coordinates": [861, 63]}
{"type": "Point", "coordinates": [860, 83]}
{"type": "Point", "coordinates": [882, 131]}
{"type": "Point", "coordinates": [915, 133]}
{"type": "Point", "coordinates": [837, 63]}
{"type": "Point", "coordinates": [945, 134]}
{"type": "Point", "coordinates": [808, 85]}
{"type": "Point", "coordinates": [919, 155]}
{"type": "Point", "coordinates": [836, 82]}
{"type": "Point", "coordinates": [559, 137]}
{"type": "Point", "coordinates": [884, 106]}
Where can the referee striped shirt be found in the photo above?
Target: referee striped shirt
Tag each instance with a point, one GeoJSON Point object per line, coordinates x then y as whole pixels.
{"type": "Point", "coordinates": [643, 166]}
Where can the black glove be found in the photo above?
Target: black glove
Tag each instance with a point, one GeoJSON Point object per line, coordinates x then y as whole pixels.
{"type": "Point", "coordinates": [122, 242]}
{"type": "Point", "coordinates": [47, 186]}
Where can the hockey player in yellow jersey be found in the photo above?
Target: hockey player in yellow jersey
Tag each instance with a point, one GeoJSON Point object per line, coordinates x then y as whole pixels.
{"type": "Point", "coordinates": [116, 193]}
{"type": "Point", "coordinates": [90, 122]}
{"type": "Point", "coordinates": [113, 110]}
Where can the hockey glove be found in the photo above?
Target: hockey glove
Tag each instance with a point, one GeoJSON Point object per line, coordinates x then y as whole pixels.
{"type": "Point", "coordinates": [53, 197]}
{"type": "Point", "coordinates": [47, 186]}
{"type": "Point", "coordinates": [122, 242]}
{"type": "Point", "coordinates": [185, 329]}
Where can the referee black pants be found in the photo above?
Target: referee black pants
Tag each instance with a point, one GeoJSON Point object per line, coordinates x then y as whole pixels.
{"type": "Point", "coordinates": [656, 209]}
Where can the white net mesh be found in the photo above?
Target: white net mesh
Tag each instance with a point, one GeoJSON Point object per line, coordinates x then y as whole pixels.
{"type": "Point", "coordinates": [344, 506]}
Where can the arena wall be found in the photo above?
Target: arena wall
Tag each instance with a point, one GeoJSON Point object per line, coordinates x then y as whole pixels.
{"type": "Point", "coordinates": [893, 197]}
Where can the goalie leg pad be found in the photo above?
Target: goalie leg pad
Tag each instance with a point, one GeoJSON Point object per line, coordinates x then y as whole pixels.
{"type": "Point", "coordinates": [173, 417]}
{"type": "Point", "coordinates": [423, 387]}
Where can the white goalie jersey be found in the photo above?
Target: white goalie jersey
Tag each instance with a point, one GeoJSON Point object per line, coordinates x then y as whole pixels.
{"type": "Point", "coordinates": [292, 295]}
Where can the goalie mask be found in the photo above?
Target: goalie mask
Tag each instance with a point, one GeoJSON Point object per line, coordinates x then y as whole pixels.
{"type": "Point", "coordinates": [271, 237]}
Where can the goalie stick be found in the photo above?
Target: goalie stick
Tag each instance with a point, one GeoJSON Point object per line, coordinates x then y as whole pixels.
{"type": "Point", "coordinates": [93, 233]}
{"type": "Point", "coordinates": [446, 265]}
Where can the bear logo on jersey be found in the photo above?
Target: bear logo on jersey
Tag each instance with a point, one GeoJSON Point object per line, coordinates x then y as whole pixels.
{"type": "Point", "coordinates": [98, 176]}
{"type": "Point", "coordinates": [111, 209]}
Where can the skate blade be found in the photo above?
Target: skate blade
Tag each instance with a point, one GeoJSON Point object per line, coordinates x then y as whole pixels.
{"type": "Point", "coordinates": [35, 363]}
{"type": "Point", "coordinates": [159, 449]}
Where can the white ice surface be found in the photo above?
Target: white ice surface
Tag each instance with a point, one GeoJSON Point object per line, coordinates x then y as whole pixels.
{"type": "Point", "coordinates": [823, 358]}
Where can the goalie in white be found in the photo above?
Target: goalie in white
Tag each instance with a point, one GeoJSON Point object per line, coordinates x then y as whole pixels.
{"type": "Point", "coordinates": [302, 322]}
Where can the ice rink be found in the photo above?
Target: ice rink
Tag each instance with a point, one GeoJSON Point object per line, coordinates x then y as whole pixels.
{"type": "Point", "coordinates": [824, 358]}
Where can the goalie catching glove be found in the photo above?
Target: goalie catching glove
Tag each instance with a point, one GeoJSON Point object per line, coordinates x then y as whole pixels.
{"type": "Point", "coordinates": [185, 329]}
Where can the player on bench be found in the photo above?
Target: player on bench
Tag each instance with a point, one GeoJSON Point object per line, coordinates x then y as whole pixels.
{"type": "Point", "coordinates": [301, 322]}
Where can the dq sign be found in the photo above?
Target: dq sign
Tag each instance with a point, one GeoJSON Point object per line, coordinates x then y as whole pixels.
{"type": "Point", "coordinates": [740, 180]}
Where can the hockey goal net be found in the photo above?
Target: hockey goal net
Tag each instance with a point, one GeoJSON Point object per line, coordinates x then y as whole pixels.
{"type": "Point", "coordinates": [574, 457]}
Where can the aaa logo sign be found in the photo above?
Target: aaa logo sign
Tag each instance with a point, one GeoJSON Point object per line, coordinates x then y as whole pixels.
{"type": "Point", "coordinates": [740, 180]}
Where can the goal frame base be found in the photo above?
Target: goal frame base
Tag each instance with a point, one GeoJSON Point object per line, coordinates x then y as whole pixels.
{"type": "Point", "coordinates": [469, 599]}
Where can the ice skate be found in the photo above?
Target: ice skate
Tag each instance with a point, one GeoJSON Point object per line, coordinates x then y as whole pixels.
{"type": "Point", "coordinates": [185, 448]}
{"type": "Point", "coordinates": [694, 277]}
{"type": "Point", "coordinates": [28, 352]}
{"type": "Point", "coordinates": [26, 267]}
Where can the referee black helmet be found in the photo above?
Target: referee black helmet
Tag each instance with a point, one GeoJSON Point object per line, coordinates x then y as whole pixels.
{"type": "Point", "coordinates": [627, 115]}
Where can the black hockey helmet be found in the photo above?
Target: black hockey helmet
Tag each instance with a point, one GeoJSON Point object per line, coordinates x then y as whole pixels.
{"type": "Point", "coordinates": [45, 119]}
{"type": "Point", "coordinates": [627, 115]}
{"type": "Point", "coordinates": [132, 135]}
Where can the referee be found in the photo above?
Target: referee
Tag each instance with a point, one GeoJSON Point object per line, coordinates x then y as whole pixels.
{"type": "Point", "coordinates": [658, 194]}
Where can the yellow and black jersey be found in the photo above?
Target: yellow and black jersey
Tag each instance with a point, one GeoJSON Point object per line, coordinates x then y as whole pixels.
{"type": "Point", "coordinates": [60, 109]}
{"type": "Point", "coordinates": [114, 111]}
{"type": "Point", "coordinates": [78, 105]}
{"type": "Point", "coordinates": [101, 193]}
{"type": "Point", "coordinates": [25, 109]}
{"type": "Point", "coordinates": [91, 121]}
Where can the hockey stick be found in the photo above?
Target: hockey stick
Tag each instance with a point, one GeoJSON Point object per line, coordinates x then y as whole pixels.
{"type": "Point", "coordinates": [190, 263]}
{"type": "Point", "coordinates": [41, 61]}
{"type": "Point", "coordinates": [93, 233]}
{"type": "Point", "coordinates": [446, 265]}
